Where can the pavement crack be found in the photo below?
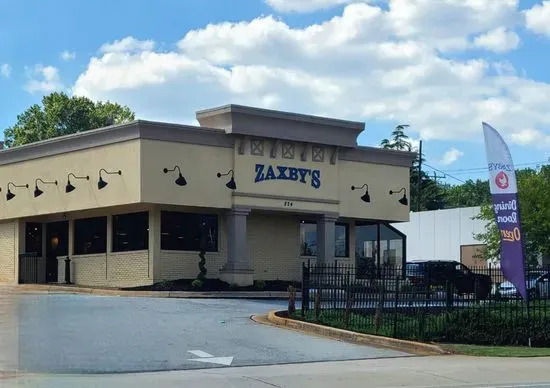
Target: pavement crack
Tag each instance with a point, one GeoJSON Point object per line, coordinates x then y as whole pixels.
{"type": "Point", "coordinates": [261, 381]}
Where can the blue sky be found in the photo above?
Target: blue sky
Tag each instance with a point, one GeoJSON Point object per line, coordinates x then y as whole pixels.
{"type": "Point", "coordinates": [441, 66]}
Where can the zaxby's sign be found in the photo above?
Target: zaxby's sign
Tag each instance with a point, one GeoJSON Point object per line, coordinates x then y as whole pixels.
{"type": "Point", "coordinates": [303, 175]}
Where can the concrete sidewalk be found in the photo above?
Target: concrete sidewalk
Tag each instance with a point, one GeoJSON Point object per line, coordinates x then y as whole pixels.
{"type": "Point", "coordinates": [74, 289]}
{"type": "Point", "coordinates": [416, 372]}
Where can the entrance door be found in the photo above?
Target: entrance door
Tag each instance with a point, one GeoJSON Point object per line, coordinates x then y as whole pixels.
{"type": "Point", "coordinates": [57, 244]}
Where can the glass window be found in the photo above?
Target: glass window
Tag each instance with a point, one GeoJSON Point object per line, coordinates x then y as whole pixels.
{"type": "Point", "coordinates": [341, 240]}
{"type": "Point", "coordinates": [308, 239]}
{"type": "Point", "coordinates": [391, 246]}
{"type": "Point", "coordinates": [33, 238]}
{"type": "Point", "coordinates": [366, 256]}
{"type": "Point", "coordinates": [131, 232]}
{"type": "Point", "coordinates": [182, 231]}
{"type": "Point", "coordinates": [90, 236]}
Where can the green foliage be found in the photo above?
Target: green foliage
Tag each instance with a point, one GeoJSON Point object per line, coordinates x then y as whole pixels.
{"type": "Point", "coordinates": [432, 195]}
{"type": "Point", "coordinates": [534, 207]}
{"type": "Point", "coordinates": [499, 325]}
{"type": "Point", "coordinates": [259, 284]}
{"type": "Point", "coordinates": [197, 283]}
{"type": "Point", "coordinates": [470, 193]}
{"type": "Point", "coordinates": [61, 115]}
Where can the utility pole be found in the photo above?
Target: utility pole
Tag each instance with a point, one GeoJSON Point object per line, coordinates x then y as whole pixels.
{"type": "Point", "coordinates": [419, 180]}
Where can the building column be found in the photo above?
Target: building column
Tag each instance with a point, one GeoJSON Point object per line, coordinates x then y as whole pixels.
{"type": "Point", "coordinates": [325, 239]}
{"type": "Point", "coordinates": [238, 268]}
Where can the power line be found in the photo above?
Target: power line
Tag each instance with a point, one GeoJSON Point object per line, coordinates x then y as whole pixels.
{"type": "Point", "coordinates": [474, 169]}
{"type": "Point", "coordinates": [443, 172]}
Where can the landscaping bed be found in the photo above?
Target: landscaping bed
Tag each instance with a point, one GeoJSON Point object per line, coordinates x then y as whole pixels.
{"type": "Point", "coordinates": [476, 325]}
{"type": "Point", "coordinates": [217, 285]}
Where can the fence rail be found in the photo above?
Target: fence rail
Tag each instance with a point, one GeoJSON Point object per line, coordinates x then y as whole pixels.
{"type": "Point", "coordinates": [447, 302]}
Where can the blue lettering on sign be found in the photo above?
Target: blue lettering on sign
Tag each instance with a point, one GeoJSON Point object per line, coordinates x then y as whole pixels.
{"type": "Point", "coordinates": [499, 166]}
{"type": "Point", "coordinates": [268, 173]}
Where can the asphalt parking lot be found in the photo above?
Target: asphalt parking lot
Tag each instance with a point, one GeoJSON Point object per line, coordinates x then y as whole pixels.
{"type": "Point", "coordinates": [92, 334]}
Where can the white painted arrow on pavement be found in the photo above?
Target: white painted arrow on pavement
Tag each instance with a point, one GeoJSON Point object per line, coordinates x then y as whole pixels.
{"type": "Point", "coordinates": [208, 358]}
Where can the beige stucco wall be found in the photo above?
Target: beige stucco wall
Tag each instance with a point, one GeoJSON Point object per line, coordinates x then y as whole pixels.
{"type": "Point", "coordinates": [381, 179]}
{"type": "Point", "coordinates": [246, 174]}
{"type": "Point", "coordinates": [120, 190]}
{"type": "Point", "coordinates": [199, 165]}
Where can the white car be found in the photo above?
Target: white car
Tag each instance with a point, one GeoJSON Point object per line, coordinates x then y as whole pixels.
{"type": "Point", "coordinates": [534, 283]}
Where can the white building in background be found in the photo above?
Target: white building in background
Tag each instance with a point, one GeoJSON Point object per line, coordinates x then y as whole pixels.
{"type": "Point", "coordinates": [444, 235]}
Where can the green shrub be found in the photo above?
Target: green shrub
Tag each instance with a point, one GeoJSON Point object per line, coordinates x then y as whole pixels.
{"type": "Point", "coordinates": [197, 284]}
{"type": "Point", "coordinates": [259, 284]}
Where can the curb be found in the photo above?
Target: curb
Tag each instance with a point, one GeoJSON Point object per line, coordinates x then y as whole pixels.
{"type": "Point", "coordinates": [49, 289]}
{"type": "Point", "coordinates": [417, 348]}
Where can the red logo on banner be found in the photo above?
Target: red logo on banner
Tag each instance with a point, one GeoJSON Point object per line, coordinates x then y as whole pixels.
{"type": "Point", "coordinates": [502, 180]}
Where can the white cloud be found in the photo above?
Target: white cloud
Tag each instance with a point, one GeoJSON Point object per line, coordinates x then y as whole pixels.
{"type": "Point", "coordinates": [128, 44]}
{"type": "Point", "coordinates": [451, 156]}
{"type": "Point", "coordinates": [5, 70]}
{"type": "Point", "coordinates": [498, 40]}
{"type": "Point", "coordinates": [367, 63]}
{"type": "Point", "coordinates": [68, 55]}
{"type": "Point", "coordinates": [530, 136]}
{"type": "Point", "coordinates": [306, 5]}
{"type": "Point", "coordinates": [43, 79]}
{"type": "Point", "coordinates": [537, 18]}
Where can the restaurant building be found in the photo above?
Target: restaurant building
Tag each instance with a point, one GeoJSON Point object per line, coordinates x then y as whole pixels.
{"type": "Point", "coordinates": [267, 190]}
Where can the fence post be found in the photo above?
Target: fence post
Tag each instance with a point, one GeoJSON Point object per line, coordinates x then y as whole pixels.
{"type": "Point", "coordinates": [396, 304]}
{"type": "Point", "coordinates": [305, 289]}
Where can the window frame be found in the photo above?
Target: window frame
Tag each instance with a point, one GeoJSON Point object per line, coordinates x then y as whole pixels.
{"type": "Point", "coordinates": [114, 230]}
{"type": "Point", "coordinates": [347, 234]}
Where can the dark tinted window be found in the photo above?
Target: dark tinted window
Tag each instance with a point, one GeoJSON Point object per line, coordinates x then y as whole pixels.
{"type": "Point", "coordinates": [33, 238]}
{"type": "Point", "coordinates": [182, 231]}
{"type": "Point", "coordinates": [131, 232]}
{"type": "Point", "coordinates": [90, 236]}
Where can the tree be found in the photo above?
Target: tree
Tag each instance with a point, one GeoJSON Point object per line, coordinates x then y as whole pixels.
{"type": "Point", "coordinates": [432, 196]}
{"type": "Point", "coordinates": [470, 193]}
{"type": "Point", "coordinates": [399, 140]}
{"type": "Point", "coordinates": [534, 207]}
{"type": "Point", "coordinates": [62, 115]}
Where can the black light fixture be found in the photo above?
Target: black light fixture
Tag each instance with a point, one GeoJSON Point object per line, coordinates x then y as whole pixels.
{"type": "Point", "coordinates": [9, 194]}
{"type": "Point", "coordinates": [69, 187]}
{"type": "Point", "coordinates": [180, 181]}
{"type": "Point", "coordinates": [231, 183]}
{"type": "Point", "coordinates": [403, 201]}
{"type": "Point", "coordinates": [37, 191]}
{"type": "Point", "coordinates": [101, 183]}
{"type": "Point", "coordinates": [365, 197]}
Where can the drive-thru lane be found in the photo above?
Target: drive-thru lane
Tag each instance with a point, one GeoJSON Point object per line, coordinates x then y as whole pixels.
{"type": "Point", "coordinates": [92, 334]}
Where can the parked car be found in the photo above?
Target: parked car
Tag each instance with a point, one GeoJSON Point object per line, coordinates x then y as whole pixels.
{"type": "Point", "coordinates": [428, 273]}
{"type": "Point", "coordinates": [536, 282]}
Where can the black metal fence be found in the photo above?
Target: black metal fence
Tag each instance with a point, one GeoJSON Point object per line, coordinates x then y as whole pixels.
{"type": "Point", "coordinates": [445, 303]}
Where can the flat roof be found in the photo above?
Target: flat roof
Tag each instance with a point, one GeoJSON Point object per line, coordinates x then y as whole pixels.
{"type": "Point", "coordinates": [243, 121]}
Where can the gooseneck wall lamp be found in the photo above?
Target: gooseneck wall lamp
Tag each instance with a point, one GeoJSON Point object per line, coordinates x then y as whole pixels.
{"type": "Point", "coordinates": [69, 187]}
{"type": "Point", "coordinates": [231, 183]}
{"type": "Point", "coordinates": [180, 180]}
{"type": "Point", "coordinates": [403, 201]}
{"type": "Point", "coordinates": [365, 197]}
{"type": "Point", "coordinates": [101, 183]}
{"type": "Point", "coordinates": [37, 191]}
{"type": "Point", "coordinates": [9, 194]}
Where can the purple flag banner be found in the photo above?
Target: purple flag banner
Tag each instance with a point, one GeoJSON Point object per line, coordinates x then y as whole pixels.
{"type": "Point", "coordinates": [504, 192]}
